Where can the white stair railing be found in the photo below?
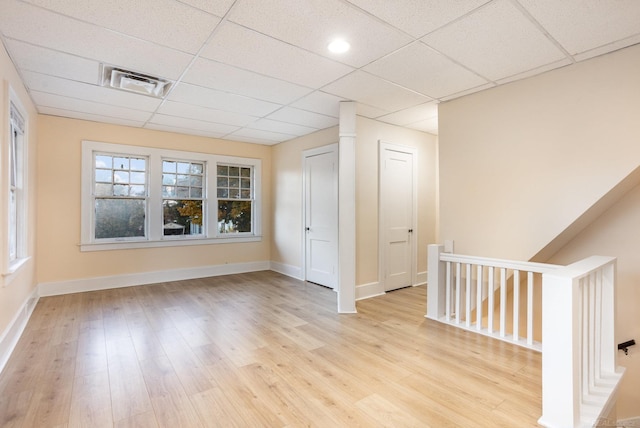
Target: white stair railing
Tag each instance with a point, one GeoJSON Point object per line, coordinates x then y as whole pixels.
{"type": "Point", "coordinates": [473, 291]}
{"type": "Point", "coordinates": [579, 373]}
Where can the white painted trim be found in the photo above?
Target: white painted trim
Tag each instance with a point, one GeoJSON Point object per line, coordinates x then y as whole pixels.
{"type": "Point", "coordinates": [333, 149]}
{"type": "Point", "coordinates": [421, 278]}
{"type": "Point", "coordinates": [382, 147]}
{"type": "Point", "coordinates": [295, 272]}
{"type": "Point", "coordinates": [629, 422]}
{"type": "Point", "coordinates": [14, 330]}
{"type": "Point", "coordinates": [366, 291]}
{"type": "Point", "coordinates": [117, 281]}
{"type": "Point", "coordinates": [347, 208]}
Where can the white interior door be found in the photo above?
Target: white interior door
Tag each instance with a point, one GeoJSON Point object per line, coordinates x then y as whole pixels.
{"type": "Point", "coordinates": [397, 216]}
{"type": "Point", "coordinates": [321, 216]}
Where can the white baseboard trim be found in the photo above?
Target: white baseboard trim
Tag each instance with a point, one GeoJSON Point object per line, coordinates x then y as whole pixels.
{"type": "Point", "coordinates": [366, 291]}
{"type": "Point", "coordinates": [421, 279]}
{"type": "Point", "coordinates": [118, 281]}
{"type": "Point", "coordinates": [288, 270]}
{"type": "Point", "coordinates": [629, 422]}
{"type": "Point", "coordinates": [14, 330]}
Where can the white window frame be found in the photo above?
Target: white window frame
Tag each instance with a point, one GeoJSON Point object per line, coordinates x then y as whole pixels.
{"type": "Point", "coordinates": [17, 160]}
{"type": "Point", "coordinates": [154, 236]}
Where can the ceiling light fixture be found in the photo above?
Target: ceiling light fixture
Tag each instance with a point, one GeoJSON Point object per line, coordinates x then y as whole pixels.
{"type": "Point", "coordinates": [339, 46]}
{"type": "Point", "coordinates": [135, 82]}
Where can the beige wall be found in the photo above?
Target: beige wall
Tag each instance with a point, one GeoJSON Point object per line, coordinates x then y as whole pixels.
{"type": "Point", "coordinates": [617, 233]}
{"type": "Point", "coordinates": [287, 203]}
{"type": "Point", "coordinates": [286, 246]}
{"type": "Point", "coordinates": [369, 133]}
{"type": "Point", "coordinates": [521, 162]}
{"type": "Point", "coordinates": [16, 289]}
{"type": "Point", "coordinates": [59, 173]}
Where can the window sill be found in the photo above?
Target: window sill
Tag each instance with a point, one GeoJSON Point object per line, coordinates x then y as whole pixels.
{"type": "Point", "coordinates": [13, 268]}
{"type": "Point", "coordinates": [171, 242]}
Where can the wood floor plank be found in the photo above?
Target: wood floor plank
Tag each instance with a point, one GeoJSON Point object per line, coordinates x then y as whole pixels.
{"type": "Point", "coordinates": [259, 349]}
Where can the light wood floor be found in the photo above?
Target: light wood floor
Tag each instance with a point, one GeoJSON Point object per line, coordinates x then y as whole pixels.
{"type": "Point", "coordinates": [259, 350]}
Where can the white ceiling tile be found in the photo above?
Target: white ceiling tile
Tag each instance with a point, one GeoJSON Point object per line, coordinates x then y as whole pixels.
{"type": "Point", "coordinates": [427, 125]}
{"type": "Point", "coordinates": [320, 102]}
{"type": "Point", "coordinates": [211, 98]}
{"type": "Point", "coordinates": [469, 91]}
{"type": "Point", "coordinates": [607, 48]}
{"type": "Point", "coordinates": [281, 127]}
{"type": "Point", "coordinates": [34, 58]}
{"type": "Point", "coordinates": [418, 17]}
{"type": "Point", "coordinates": [582, 25]}
{"type": "Point", "coordinates": [200, 125]}
{"type": "Point", "coordinates": [153, 20]}
{"type": "Point", "coordinates": [370, 111]}
{"type": "Point", "coordinates": [495, 41]}
{"type": "Point", "coordinates": [179, 130]}
{"type": "Point", "coordinates": [303, 117]}
{"type": "Point", "coordinates": [259, 135]}
{"type": "Point", "coordinates": [250, 50]}
{"type": "Point", "coordinates": [216, 75]}
{"type": "Point", "coordinates": [42, 99]}
{"type": "Point", "coordinates": [253, 140]}
{"type": "Point", "coordinates": [173, 108]}
{"type": "Point", "coordinates": [412, 115]}
{"type": "Point", "coordinates": [55, 85]}
{"type": "Point", "coordinates": [425, 70]}
{"type": "Point", "coordinates": [51, 111]}
{"type": "Point", "coordinates": [218, 7]}
{"type": "Point", "coordinates": [535, 71]}
{"type": "Point", "coordinates": [47, 29]}
{"type": "Point", "coordinates": [313, 24]}
{"type": "Point", "coordinates": [368, 89]}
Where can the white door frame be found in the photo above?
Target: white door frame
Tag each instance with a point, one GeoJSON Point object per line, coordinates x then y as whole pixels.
{"type": "Point", "coordinates": [331, 148]}
{"type": "Point", "coordinates": [383, 146]}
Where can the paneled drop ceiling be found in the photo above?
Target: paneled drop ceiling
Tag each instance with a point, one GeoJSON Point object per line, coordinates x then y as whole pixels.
{"type": "Point", "coordinates": [259, 70]}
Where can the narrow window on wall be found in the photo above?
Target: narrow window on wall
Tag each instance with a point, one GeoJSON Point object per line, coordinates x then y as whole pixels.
{"type": "Point", "coordinates": [17, 214]}
{"type": "Point", "coordinates": [120, 197]}
{"type": "Point", "coordinates": [182, 197]}
{"type": "Point", "coordinates": [235, 198]}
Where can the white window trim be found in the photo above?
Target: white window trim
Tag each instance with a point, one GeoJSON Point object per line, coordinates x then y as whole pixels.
{"type": "Point", "coordinates": [155, 237]}
{"type": "Point", "coordinates": [12, 266]}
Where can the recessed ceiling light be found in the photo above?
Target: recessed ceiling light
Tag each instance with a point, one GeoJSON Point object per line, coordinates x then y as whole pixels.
{"type": "Point", "coordinates": [339, 46]}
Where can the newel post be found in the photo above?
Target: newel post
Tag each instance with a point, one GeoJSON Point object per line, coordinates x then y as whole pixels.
{"type": "Point", "coordinates": [435, 282]}
{"type": "Point", "coordinates": [560, 349]}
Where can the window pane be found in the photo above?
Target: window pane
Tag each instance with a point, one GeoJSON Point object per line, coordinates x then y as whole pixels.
{"type": "Point", "coordinates": [196, 180]}
{"type": "Point", "coordinates": [223, 182]}
{"type": "Point", "coordinates": [104, 161]}
{"type": "Point", "coordinates": [234, 171]}
{"type": "Point", "coordinates": [223, 170]}
{"type": "Point", "coordinates": [245, 194]}
{"type": "Point", "coordinates": [168, 191]}
{"type": "Point", "coordinates": [137, 178]}
{"type": "Point", "coordinates": [196, 192]}
{"type": "Point", "coordinates": [234, 183]}
{"type": "Point", "coordinates": [120, 163]}
{"type": "Point", "coordinates": [103, 175]}
{"type": "Point", "coordinates": [184, 167]}
{"type": "Point", "coordinates": [137, 190]}
{"type": "Point", "coordinates": [119, 218]}
{"type": "Point", "coordinates": [182, 217]}
{"type": "Point", "coordinates": [120, 190]}
{"type": "Point", "coordinates": [245, 172]}
{"type": "Point", "coordinates": [234, 216]}
{"type": "Point", "coordinates": [120, 177]}
{"type": "Point", "coordinates": [168, 179]}
{"type": "Point", "coordinates": [223, 193]}
{"type": "Point", "coordinates": [182, 192]}
{"type": "Point", "coordinates": [168, 166]}
{"type": "Point", "coordinates": [138, 164]}
{"type": "Point", "coordinates": [104, 189]}
{"type": "Point", "coordinates": [234, 193]}
{"type": "Point", "coordinates": [197, 168]}
{"type": "Point", "coordinates": [246, 183]}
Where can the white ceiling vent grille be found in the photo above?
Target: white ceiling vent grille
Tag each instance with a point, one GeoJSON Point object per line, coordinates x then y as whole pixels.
{"type": "Point", "coordinates": [132, 81]}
